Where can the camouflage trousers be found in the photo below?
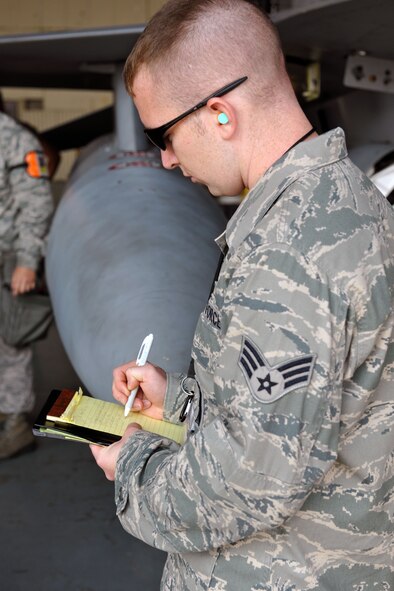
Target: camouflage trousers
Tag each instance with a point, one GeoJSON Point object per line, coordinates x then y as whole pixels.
{"type": "Point", "coordinates": [16, 374]}
{"type": "Point", "coordinates": [16, 379]}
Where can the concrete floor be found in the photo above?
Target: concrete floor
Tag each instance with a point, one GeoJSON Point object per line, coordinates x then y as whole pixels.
{"type": "Point", "coordinates": [59, 531]}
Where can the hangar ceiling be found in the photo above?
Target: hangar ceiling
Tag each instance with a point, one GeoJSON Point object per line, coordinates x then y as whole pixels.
{"type": "Point", "coordinates": [328, 32]}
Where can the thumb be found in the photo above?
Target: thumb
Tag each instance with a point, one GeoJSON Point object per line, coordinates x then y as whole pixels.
{"type": "Point", "coordinates": [96, 450]}
{"type": "Point", "coordinates": [131, 429]}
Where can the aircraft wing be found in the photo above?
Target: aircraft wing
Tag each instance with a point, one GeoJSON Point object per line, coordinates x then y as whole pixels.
{"type": "Point", "coordinates": [82, 59]}
{"type": "Point", "coordinates": [329, 31]}
{"type": "Point", "coordinates": [338, 26]}
{"type": "Point", "coordinates": [326, 31]}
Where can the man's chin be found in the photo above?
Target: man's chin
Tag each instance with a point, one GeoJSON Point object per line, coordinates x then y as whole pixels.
{"type": "Point", "coordinates": [214, 191]}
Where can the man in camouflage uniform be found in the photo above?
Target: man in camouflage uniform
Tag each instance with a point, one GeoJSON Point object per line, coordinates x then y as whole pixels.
{"type": "Point", "coordinates": [286, 483]}
{"type": "Point", "coordinates": [25, 211]}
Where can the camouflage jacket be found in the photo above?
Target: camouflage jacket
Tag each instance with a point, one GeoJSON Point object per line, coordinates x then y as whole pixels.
{"type": "Point", "coordinates": [288, 483]}
{"type": "Point", "coordinates": [25, 198]}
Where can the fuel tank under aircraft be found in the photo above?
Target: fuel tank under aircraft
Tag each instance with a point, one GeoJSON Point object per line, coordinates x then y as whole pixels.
{"type": "Point", "coordinates": [131, 252]}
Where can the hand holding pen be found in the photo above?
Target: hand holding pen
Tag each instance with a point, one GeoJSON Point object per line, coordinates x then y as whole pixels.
{"type": "Point", "coordinates": [141, 360]}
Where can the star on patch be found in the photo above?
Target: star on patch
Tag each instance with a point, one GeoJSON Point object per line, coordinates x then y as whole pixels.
{"type": "Point", "coordinates": [267, 383]}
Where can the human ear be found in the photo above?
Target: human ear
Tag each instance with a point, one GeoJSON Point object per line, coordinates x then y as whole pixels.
{"type": "Point", "coordinates": [223, 116]}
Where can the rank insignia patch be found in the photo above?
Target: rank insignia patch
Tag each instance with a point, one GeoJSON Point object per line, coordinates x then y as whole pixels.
{"type": "Point", "coordinates": [267, 383]}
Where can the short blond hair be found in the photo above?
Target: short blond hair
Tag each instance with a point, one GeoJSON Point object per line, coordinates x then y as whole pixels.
{"type": "Point", "coordinates": [192, 46]}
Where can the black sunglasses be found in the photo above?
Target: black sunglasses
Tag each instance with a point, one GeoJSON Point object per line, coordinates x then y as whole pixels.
{"type": "Point", "coordinates": [156, 134]}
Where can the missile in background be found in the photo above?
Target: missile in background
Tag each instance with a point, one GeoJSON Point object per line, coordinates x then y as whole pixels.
{"type": "Point", "coordinates": [131, 252]}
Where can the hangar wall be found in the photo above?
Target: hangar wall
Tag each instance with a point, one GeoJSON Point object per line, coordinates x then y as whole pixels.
{"type": "Point", "coordinates": [24, 16]}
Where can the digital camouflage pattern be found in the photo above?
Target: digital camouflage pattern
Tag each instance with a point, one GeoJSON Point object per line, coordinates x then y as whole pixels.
{"type": "Point", "coordinates": [16, 379]}
{"type": "Point", "coordinates": [288, 485]}
{"type": "Point", "coordinates": [25, 211]}
{"type": "Point", "coordinates": [25, 198]}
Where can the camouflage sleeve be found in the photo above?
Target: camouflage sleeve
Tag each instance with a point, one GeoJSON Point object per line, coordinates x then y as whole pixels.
{"type": "Point", "coordinates": [32, 194]}
{"type": "Point", "coordinates": [174, 397]}
{"type": "Point", "coordinates": [275, 409]}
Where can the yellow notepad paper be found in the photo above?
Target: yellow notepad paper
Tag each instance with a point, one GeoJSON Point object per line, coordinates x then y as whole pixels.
{"type": "Point", "coordinates": [108, 417]}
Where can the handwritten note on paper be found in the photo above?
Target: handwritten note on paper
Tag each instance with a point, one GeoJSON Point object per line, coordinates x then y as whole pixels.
{"type": "Point", "coordinates": [109, 418]}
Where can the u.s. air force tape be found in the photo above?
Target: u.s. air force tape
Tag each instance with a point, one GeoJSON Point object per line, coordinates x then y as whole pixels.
{"type": "Point", "coordinates": [269, 383]}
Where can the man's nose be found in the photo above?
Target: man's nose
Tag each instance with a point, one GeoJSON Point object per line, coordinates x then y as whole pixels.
{"type": "Point", "coordinates": [168, 158]}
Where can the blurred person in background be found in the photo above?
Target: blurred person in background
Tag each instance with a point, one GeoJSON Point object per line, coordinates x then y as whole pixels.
{"type": "Point", "coordinates": [26, 208]}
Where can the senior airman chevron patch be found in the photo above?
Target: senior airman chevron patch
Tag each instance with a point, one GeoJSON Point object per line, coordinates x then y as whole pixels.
{"type": "Point", "coordinates": [267, 383]}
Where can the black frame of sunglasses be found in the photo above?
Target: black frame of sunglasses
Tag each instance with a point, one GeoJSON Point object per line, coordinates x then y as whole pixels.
{"type": "Point", "coordinates": [156, 134]}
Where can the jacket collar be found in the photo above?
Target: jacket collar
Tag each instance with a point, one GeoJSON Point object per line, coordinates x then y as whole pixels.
{"type": "Point", "coordinates": [325, 149]}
